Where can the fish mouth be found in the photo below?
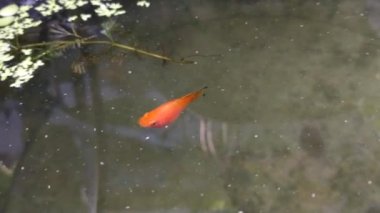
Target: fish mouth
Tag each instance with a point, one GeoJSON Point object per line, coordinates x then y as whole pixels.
{"type": "Point", "coordinates": [142, 123]}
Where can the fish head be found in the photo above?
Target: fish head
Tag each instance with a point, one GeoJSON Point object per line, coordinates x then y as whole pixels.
{"type": "Point", "coordinates": [148, 121]}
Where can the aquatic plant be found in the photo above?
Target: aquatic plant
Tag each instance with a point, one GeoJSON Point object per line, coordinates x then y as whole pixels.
{"type": "Point", "coordinates": [19, 61]}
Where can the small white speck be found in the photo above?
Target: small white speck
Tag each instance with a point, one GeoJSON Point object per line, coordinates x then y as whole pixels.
{"type": "Point", "coordinates": [94, 129]}
{"type": "Point", "coordinates": [57, 171]}
{"type": "Point", "coordinates": [345, 121]}
{"type": "Point", "coordinates": [278, 188]}
{"type": "Point", "coordinates": [147, 138]}
{"type": "Point", "coordinates": [256, 136]}
{"type": "Point", "coordinates": [46, 135]}
{"type": "Point", "coordinates": [202, 194]}
{"type": "Point", "coordinates": [196, 52]}
{"type": "Point", "coordinates": [22, 168]}
{"type": "Point", "coordinates": [101, 163]}
{"type": "Point", "coordinates": [127, 207]}
{"type": "Point", "coordinates": [318, 3]}
{"type": "Point", "coordinates": [48, 186]}
{"type": "Point", "coordinates": [369, 182]}
{"type": "Point", "coordinates": [240, 212]}
{"type": "Point", "coordinates": [361, 14]}
{"type": "Point", "coordinates": [129, 71]}
{"type": "Point", "coordinates": [301, 25]}
{"type": "Point", "coordinates": [313, 195]}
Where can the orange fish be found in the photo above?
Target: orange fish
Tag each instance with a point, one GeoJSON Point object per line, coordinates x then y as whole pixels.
{"type": "Point", "coordinates": [168, 112]}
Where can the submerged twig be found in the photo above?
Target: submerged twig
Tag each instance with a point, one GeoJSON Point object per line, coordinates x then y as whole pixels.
{"type": "Point", "coordinates": [87, 41]}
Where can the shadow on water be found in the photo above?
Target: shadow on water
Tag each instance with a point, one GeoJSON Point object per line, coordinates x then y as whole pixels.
{"type": "Point", "coordinates": [289, 122]}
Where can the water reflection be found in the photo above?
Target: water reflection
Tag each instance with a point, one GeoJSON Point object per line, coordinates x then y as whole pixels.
{"type": "Point", "coordinates": [289, 123]}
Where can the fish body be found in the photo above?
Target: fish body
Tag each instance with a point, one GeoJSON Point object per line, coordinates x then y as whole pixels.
{"type": "Point", "coordinates": [168, 112]}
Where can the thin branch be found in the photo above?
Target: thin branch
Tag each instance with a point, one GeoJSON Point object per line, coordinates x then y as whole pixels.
{"type": "Point", "coordinates": [122, 46]}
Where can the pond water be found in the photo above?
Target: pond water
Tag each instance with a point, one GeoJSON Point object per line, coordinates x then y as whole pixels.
{"type": "Point", "coordinates": [290, 120]}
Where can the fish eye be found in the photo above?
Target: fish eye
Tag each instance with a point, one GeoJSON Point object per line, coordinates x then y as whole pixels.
{"type": "Point", "coordinates": [153, 124]}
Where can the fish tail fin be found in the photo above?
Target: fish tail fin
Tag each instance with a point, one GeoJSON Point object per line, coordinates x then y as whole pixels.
{"type": "Point", "coordinates": [203, 91]}
{"type": "Point", "coordinates": [194, 95]}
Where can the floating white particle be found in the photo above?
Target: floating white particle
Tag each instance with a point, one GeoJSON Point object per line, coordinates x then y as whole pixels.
{"type": "Point", "coordinates": [313, 195]}
{"type": "Point", "coordinates": [127, 207]}
{"type": "Point", "coordinates": [301, 25]}
{"type": "Point", "coordinates": [369, 182]}
{"type": "Point", "coordinates": [256, 136]}
{"type": "Point", "coordinates": [240, 211]}
{"type": "Point", "coordinates": [202, 194]}
{"type": "Point", "coordinates": [345, 121]}
{"type": "Point", "coordinates": [101, 163]}
{"type": "Point", "coordinates": [46, 135]}
{"type": "Point", "coordinates": [48, 186]}
{"type": "Point", "coordinates": [129, 71]}
{"type": "Point", "coordinates": [22, 168]}
{"type": "Point", "coordinates": [147, 138]}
